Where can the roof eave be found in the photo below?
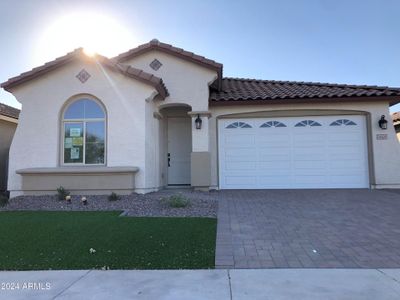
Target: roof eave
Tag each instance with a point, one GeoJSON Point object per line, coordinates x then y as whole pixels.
{"type": "Point", "coordinates": [392, 100]}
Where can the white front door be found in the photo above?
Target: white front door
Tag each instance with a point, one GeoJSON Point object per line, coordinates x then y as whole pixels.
{"type": "Point", "coordinates": [179, 149]}
{"type": "Point", "coordinates": [293, 153]}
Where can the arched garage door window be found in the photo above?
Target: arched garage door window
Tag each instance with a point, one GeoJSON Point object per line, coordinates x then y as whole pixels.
{"type": "Point", "coordinates": [84, 133]}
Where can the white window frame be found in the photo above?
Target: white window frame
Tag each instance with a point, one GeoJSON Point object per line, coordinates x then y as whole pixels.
{"type": "Point", "coordinates": [83, 121]}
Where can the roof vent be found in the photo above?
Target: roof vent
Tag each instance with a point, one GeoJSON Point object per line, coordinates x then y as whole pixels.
{"type": "Point", "coordinates": [154, 41]}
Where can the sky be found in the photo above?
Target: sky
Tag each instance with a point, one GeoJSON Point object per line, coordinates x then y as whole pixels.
{"type": "Point", "coordinates": [336, 41]}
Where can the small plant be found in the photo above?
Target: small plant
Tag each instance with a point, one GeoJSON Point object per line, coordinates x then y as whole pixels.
{"type": "Point", "coordinates": [3, 200]}
{"type": "Point", "coordinates": [84, 201]}
{"type": "Point", "coordinates": [177, 201]}
{"type": "Point", "coordinates": [62, 193]}
{"type": "Point", "coordinates": [113, 197]}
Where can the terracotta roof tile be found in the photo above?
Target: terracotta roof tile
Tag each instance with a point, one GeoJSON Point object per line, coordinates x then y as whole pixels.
{"type": "Point", "coordinates": [242, 89]}
{"type": "Point", "coordinates": [9, 111]}
{"type": "Point", "coordinates": [396, 116]}
{"type": "Point", "coordinates": [137, 74]}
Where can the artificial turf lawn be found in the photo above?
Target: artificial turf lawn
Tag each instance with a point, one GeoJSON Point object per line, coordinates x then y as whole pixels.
{"type": "Point", "coordinates": [61, 240]}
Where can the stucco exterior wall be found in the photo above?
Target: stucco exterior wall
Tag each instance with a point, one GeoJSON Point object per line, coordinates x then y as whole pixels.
{"type": "Point", "coordinates": [187, 82]}
{"type": "Point", "coordinates": [7, 130]}
{"type": "Point", "coordinates": [385, 153]}
{"type": "Point", "coordinates": [37, 141]}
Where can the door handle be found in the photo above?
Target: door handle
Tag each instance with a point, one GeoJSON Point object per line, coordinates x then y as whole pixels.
{"type": "Point", "coordinates": [169, 159]}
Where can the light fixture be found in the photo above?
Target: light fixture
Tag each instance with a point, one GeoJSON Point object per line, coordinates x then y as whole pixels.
{"type": "Point", "coordinates": [383, 123]}
{"type": "Point", "coordinates": [198, 122]}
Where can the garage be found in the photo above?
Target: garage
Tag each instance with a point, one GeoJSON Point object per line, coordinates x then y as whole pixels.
{"type": "Point", "coordinates": [293, 152]}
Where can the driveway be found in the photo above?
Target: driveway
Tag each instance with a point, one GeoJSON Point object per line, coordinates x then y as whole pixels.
{"type": "Point", "coordinates": [308, 229]}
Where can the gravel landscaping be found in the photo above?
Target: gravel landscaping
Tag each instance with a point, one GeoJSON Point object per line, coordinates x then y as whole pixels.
{"type": "Point", "coordinates": [201, 204]}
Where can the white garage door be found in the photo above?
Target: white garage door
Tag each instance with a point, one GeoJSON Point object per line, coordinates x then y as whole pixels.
{"type": "Point", "coordinates": [293, 152]}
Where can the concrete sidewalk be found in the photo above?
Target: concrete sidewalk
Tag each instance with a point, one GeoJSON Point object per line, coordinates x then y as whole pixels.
{"type": "Point", "coordinates": [253, 284]}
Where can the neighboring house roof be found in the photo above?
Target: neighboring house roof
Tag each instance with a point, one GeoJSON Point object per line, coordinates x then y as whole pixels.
{"type": "Point", "coordinates": [9, 111]}
{"type": "Point", "coordinates": [169, 49]}
{"type": "Point", "coordinates": [396, 116]}
{"type": "Point", "coordinates": [129, 71]}
{"type": "Point", "coordinates": [240, 90]}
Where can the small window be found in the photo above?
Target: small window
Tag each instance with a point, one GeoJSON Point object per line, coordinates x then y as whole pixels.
{"type": "Point", "coordinates": [84, 133]}
{"type": "Point", "coordinates": [238, 125]}
{"type": "Point", "coordinates": [344, 122]}
{"type": "Point", "coordinates": [272, 124]}
{"type": "Point", "coordinates": [307, 123]}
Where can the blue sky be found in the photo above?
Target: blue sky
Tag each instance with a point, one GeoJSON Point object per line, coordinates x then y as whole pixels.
{"type": "Point", "coordinates": [335, 41]}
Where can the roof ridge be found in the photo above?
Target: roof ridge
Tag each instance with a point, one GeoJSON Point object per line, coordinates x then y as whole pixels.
{"type": "Point", "coordinates": [156, 44]}
{"type": "Point", "coordinates": [313, 83]}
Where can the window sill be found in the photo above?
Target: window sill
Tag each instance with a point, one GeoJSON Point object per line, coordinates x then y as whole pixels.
{"type": "Point", "coordinates": [78, 170]}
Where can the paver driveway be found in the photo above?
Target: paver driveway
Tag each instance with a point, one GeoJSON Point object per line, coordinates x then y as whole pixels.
{"type": "Point", "coordinates": [308, 229]}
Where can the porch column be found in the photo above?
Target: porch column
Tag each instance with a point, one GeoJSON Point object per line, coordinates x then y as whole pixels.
{"type": "Point", "coordinates": [200, 167]}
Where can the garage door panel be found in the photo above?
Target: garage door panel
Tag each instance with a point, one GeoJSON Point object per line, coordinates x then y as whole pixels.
{"type": "Point", "coordinates": [294, 157]}
{"type": "Point", "coordinates": [239, 140]}
{"type": "Point", "coordinates": [274, 181]}
{"type": "Point", "coordinates": [240, 165]}
{"type": "Point", "coordinates": [305, 164]}
{"type": "Point", "coordinates": [281, 166]}
{"type": "Point", "coordinates": [240, 180]}
{"type": "Point", "coordinates": [274, 140]}
{"type": "Point", "coordinates": [245, 152]}
{"type": "Point", "coordinates": [347, 164]}
{"type": "Point", "coordinates": [266, 152]}
{"type": "Point", "coordinates": [309, 179]}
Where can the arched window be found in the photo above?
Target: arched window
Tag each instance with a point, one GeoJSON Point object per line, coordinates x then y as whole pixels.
{"type": "Point", "coordinates": [272, 124]}
{"type": "Point", "coordinates": [84, 133]}
{"type": "Point", "coordinates": [305, 123]}
{"type": "Point", "coordinates": [238, 125]}
{"type": "Point", "coordinates": [341, 122]}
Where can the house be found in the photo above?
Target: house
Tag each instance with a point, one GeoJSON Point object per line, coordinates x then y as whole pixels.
{"type": "Point", "coordinates": [158, 116]}
{"type": "Point", "coordinates": [396, 123]}
{"type": "Point", "coordinates": [8, 124]}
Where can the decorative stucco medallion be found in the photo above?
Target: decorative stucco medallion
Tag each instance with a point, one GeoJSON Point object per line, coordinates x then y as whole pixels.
{"type": "Point", "coordinates": [155, 64]}
{"type": "Point", "coordinates": [83, 76]}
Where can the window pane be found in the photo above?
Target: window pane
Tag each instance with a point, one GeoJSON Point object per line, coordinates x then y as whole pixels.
{"type": "Point", "coordinates": [73, 143]}
{"type": "Point", "coordinates": [95, 142]}
{"type": "Point", "coordinates": [75, 110]}
{"type": "Point", "coordinates": [95, 132]}
{"type": "Point", "coordinates": [94, 153]}
{"type": "Point", "coordinates": [93, 110]}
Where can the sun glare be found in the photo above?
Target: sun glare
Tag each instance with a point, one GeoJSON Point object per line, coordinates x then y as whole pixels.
{"type": "Point", "coordinates": [96, 33]}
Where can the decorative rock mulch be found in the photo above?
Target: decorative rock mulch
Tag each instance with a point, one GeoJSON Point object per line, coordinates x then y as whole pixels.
{"type": "Point", "coordinates": [202, 204]}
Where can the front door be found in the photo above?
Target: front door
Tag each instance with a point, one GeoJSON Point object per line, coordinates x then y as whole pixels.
{"type": "Point", "coordinates": [179, 149]}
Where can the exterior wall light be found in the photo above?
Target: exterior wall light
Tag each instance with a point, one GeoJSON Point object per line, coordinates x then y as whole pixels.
{"type": "Point", "coordinates": [198, 122]}
{"type": "Point", "coordinates": [383, 123]}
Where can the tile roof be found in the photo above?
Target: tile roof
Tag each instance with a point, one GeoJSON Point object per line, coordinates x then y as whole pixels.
{"type": "Point", "coordinates": [241, 89]}
{"type": "Point", "coordinates": [137, 74]}
{"type": "Point", "coordinates": [172, 50]}
{"type": "Point", "coordinates": [396, 116]}
{"type": "Point", "coordinates": [9, 111]}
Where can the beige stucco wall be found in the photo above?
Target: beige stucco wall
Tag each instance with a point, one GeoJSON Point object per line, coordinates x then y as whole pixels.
{"type": "Point", "coordinates": [38, 138]}
{"type": "Point", "coordinates": [7, 130]}
{"type": "Point", "coordinates": [187, 82]}
{"type": "Point", "coordinates": [384, 155]}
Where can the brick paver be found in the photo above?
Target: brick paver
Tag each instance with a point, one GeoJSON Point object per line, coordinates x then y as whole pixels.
{"type": "Point", "coordinates": [308, 229]}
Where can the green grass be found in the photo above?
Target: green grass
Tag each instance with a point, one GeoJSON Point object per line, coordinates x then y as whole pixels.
{"type": "Point", "coordinates": [61, 240]}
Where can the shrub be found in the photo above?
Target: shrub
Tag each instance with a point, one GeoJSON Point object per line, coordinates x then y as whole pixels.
{"type": "Point", "coordinates": [178, 201]}
{"type": "Point", "coordinates": [113, 197]}
{"type": "Point", "coordinates": [62, 193]}
{"type": "Point", "coordinates": [3, 200]}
